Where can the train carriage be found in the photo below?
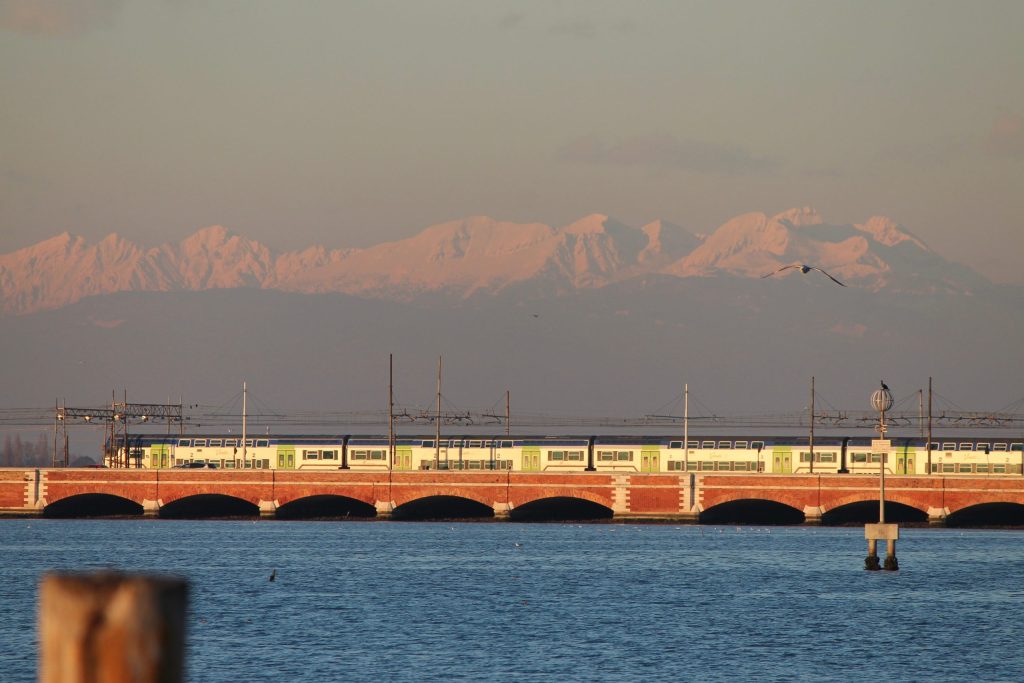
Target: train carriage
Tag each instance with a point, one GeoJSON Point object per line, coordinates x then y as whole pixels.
{"type": "Point", "coordinates": [626, 454]}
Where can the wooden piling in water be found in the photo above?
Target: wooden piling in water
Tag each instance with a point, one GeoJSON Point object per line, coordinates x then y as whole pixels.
{"type": "Point", "coordinates": [112, 628]}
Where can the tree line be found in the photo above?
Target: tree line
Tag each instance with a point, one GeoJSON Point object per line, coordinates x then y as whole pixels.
{"type": "Point", "coordinates": [18, 452]}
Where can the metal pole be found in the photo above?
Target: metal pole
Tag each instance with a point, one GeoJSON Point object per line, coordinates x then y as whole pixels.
{"type": "Point", "coordinates": [686, 427]}
{"type": "Point", "coordinates": [245, 417]}
{"type": "Point", "coordinates": [920, 412]}
{"type": "Point", "coordinates": [437, 419]}
{"type": "Point", "coordinates": [811, 416]}
{"type": "Point", "coordinates": [929, 425]}
{"type": "Point", "coordinates": [881, 469]}
{"type": "Point", "coordinates": [508, 413]}
{"type": "Point", "coordinates": [391, 410]}
{"type": "Point", "coordinates": [56, 415]}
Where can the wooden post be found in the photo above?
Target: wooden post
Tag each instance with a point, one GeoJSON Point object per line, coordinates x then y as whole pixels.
{"type": "Point", "coordinates": [111, 627]}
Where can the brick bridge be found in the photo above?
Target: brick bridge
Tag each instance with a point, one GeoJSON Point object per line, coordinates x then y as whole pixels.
{"type": "Point", "coordinates": [516, 495]}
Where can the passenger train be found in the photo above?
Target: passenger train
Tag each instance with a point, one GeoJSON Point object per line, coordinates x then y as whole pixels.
{"type": "Point", "coordinates": [627, 454]}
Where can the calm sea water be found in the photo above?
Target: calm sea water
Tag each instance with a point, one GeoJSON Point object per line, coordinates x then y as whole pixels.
{"type": "Point", "coordinates": [425, 601]}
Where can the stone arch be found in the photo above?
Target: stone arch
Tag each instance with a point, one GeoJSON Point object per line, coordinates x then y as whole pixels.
{"type": "Point", "coordinates": [603, 501]}
{"type": "Point", "coordinates": [994, 514]}
{"type": "Point", "coordinates": [207, 506]}
{"type": "Point", "coordinates": [561, 508]}
{"type": "Point", "coordinates": [92, 505]}
{"type": "Point", "coordinates": [326, 506]}
{"type": "Point", "coordinates": [441, 506]}
{"type": "Point", "coordinates": [865, 511]}
{"type": "Point", "coordinates": [890, 497]}
{"type": "Point", "coordinates": [752, 511]}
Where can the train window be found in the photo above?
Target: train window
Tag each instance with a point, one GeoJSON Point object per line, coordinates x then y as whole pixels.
{"type": "Point", "coordinates": [947, 446]}
{"type": "Point", "coordinates": [556, 455]}
{"type": "Point", "coordinates": [200, 443]}
{"type": "Point", "coordinates": [262, 443]}
{"type": "Point", "coordinates": [184, 443]}
{"type": "Point", "coordinates": [828, 457]}
{"type": "Point", "coordinates": [476, 444]}
{"type": "Point", "coordinates": [574, 455]}
{"type": "Point", "coordinates": [984, 447]}
{"type": "Point", "coordinates": [967, 446]}
{"type": "Point", "coordinates": [216, 443]}
{"type": "Point", "coordinates": [675, 444]}
{"type": "Point", "coordinates": [739, 466]}
{"type": "Point", "coordinates": [999, 447]}
{"type": "Point", "coordinates": [741, 444]}
{"type": "Point", "coordinates": [230, 442]}
{"type": "Point", "coordinates": [606, 455]}
{"type": "Point", "coordinates": [725, 444]}
{"type": "Point", "coordinates": [757, 444]}
{"type": "Point", "coordinates": [935, 467]}
{"type": "Point", "coordinates": [506, 444]}
{"type": "Point", "coordinates": [1016, 446]}
{"type": "Point", "coordinates": [248, 443]}
{"type": "Point", "coordinates": [999, 469]}
{"type": "Point", "coordinates": [330, 455]}
{"type": "Point", "coordinates": [691, 466]}
{"type": "Point", "coordinates": [948, 467]}
{"type": "Point", "coordinates": [706, 465]}
{"type": "Point", "coordinates": [935, 446]}
{"type": "Point", "coordinates": [859, 457]}
{"type": "Point", "coordinates": [455, 443]}
{"type": "Point", "coordinates": [377, 455]}
{"type": "Point", "coordinates": [624, 455]}
{"type": "Point", "coordinates": [311, 455]}
{"type": "Point", "coordinates": [982, 467]}
{"type": "Point", "coordinates": [879, 457]}
{"type": "Point", "coordinates": [708, 444]}
{"type": "Point", "coordinates": [358, 455]}
{"type": "Point", "coordinates": [724, 466]}
{"type": "Point", "coordinates": [964, 467]}
{"type": "Point", "coordinates": [674, 465]}
{"type": "Point", "coordinates": [427, 444]}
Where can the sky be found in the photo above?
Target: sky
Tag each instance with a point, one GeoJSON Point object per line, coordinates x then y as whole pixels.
{"type": "Point", "coordinates": [352, 123]}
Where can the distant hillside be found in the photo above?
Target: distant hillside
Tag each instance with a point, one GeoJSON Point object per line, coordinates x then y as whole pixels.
{"type": "Point", "coordinates": [482, 256]}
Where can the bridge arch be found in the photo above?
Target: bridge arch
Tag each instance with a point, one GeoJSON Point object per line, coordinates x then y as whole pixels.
{"type": "Point", "coordinates": [92, 505]}
{"type": "Point", "coordinates": [987, 515]}
{"type": "Point", "coordinates": [442, 507]}
{"type": "Point", "coordinates": [561, 508]}
{"type": "Point", "coordinates": [860, 512]}
{"type": "Point", "coordinates": [326, 506]}
{"type": "Point", "coordinates": [209, 506]}
{"type": "Point", "coordinates": [752, 511]}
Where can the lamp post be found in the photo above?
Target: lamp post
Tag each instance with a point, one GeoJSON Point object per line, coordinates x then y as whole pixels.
{"type": "Point", "coordinates": [881, 401]}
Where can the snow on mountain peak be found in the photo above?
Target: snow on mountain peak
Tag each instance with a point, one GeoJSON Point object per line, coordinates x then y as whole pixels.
{"type": "Point", "coordinates": [480, 253]}
{"type": "Point", "coordinates": [798, 217]}
{"type": "Point", "coordinates": [885, 230]}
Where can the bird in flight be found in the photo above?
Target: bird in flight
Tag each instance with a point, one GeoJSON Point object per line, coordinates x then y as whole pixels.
{"type": "Point", "coordinates": [804, 269]}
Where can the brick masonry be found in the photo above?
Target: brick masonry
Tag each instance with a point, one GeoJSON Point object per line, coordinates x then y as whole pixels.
{"type": "Point", "coordinates": [27, 491]}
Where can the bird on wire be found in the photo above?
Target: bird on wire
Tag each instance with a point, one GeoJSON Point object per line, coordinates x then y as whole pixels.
{"type": "Point", "coordinates": [803, 269]}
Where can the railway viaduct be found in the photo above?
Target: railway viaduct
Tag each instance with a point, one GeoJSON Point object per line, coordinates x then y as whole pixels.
{"type": "Point", "coordinates": [697, 497]}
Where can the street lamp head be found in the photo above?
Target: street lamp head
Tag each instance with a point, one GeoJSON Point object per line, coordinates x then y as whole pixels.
{"type": "Point", "coordinates": [881, 399]}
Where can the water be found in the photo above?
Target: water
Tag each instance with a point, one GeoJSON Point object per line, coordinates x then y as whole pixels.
{"type": "Point", "coordinates": [421, 601]}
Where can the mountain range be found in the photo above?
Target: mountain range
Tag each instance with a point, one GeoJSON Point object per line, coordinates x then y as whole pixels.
{"type": "Point", "coordinates": [480, 256]}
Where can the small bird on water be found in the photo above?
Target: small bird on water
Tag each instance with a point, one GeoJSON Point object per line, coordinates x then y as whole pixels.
{"type": "Point", "coordinates": [803, 269]}
{"type": "Point", "coordinates": [273, 574]}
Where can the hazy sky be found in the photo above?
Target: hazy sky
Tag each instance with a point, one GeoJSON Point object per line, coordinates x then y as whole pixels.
{"type": "Point", "coordinates": [350, 123]}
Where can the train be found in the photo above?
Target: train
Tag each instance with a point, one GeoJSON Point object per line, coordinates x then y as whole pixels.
{"type": "Point", "coordinates": [609, 454]}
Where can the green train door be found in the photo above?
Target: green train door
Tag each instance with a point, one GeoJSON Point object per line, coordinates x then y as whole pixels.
{"type": "Point", "coordinates": [403, 457]}
{"type": "Point", "coordinates": [782, 461]}
{"type": "Point", "coordinates": [160, 456]}
{"type": "Point", "coordinates": [531, 459]}
{"type": "Point", "coordinates": [905, 461]}
{"type": "Point", "coordinates": [285, 458]}
{"type": "Point", "coordinates": [649, 460]}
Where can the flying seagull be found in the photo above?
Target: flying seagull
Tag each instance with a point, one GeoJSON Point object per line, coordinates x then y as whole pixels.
{"type": "Point", "coordinates": [804, 269]}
